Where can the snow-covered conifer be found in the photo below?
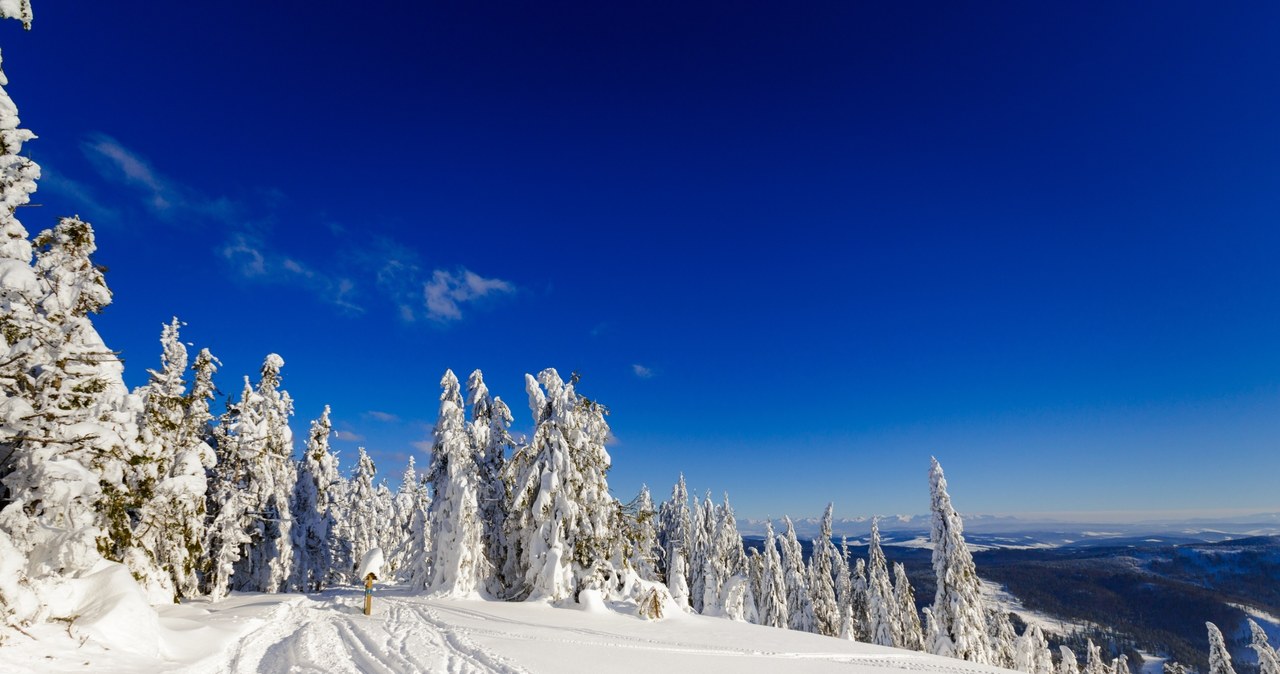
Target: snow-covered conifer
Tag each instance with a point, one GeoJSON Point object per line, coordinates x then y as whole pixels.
{"type": "Point", "coordinates": [1031, 652]}
{"type": "Point", "coordinates": [822, 578]}
{"type": "Point", "coordinates": [799, 606]}
{"type": "Point", "coordinates": [647, 552]}
{"type": "Point", "coordinates": [909, 620]}
{"type": "Point", "coordinates": [773, 586]}
{"type": "Point", "coordinates": [1003, 639]}
{"type": "Point", "coordinates": [459, 566]}
{"type": "Point", "coordinates": [313, 510]}
{"type": "Point", "coordinates": [883, 627]}
{"type": "Point", "coordinates": [1068, 664]}
{"type": "Point", "coordinates": [957, 605]}
{"type": "Point", "coordinates": [1093, 663]}
{"type": "Point", "coordinates": [676, 583]}
{"type": "Point", "coordinates": [260, 442]}
{"type": "Point", "coordinates": [859, 603]}
{"type": "Point", "coordinates": [491, 439]}
{"type": "Point", "coordinates": [1219, 657]}
{"type": "Point", "coordinates": [1121, 664]}
{"type": "Point", "coordinates": [1268, 662]}
{"type": "Point", "coordinates": [561, 512]}
{"type": "Point", "coordinates": [361, 516]}
{"type": "Point", "coordinates": [675, 524]}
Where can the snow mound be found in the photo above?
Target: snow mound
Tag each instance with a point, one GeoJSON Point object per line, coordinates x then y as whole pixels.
{"type": "Point", "coordinates": [108, 606]}
{"type": "Point", "coordinates": [591, 601]}
{"type": "Point", "coordinates": [372, 563]}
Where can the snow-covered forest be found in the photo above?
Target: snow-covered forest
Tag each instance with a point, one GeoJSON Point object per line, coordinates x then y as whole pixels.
{"type": "Point", "coordinates": [160, 496]}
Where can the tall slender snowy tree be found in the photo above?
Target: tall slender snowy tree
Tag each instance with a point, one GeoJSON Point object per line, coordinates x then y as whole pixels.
{"type": "Point", "coordinates": [1219, 656]}
{"type": "Point", "coordinates": [1003, 639]}
{"type": "Point", "coordinates": [491, 439]}
{"type": "Point", "coordinates": [905, 598]}
{"type": "Point", "coordinates": [259, 439]}
{"type": "Point", "coordinates": [647, 551]}
{"type": "Point", "coordinates": [1068, 664]}
{"type": "Point", "coordinates": [799, 606]}
{"type": "Point", "coordinates": [773, 584]}
{"type": "Point", "coordinates": [882, 609]}
{"type": "Point", "coordinates": [675, 525]}
{"type": "Point", "coordinates": [459, 566]}
{"type": "Point", "coordinates": [822, 578]}
{"type": "Point", "coordinates": [313, 510]}
{"type": "Point", "coordinates": [957, 606]}
{"type": "Point", "coordinates": [360, 524]}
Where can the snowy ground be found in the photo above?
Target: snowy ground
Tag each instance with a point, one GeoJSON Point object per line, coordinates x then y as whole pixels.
{"type": "Point", "coordinates": [997, 595]}
{"type": "Point", "coordinates": [327, 633]}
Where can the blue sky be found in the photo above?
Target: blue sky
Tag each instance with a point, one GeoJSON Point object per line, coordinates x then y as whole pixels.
{"type": "Point", "coordinates": [797, 250]}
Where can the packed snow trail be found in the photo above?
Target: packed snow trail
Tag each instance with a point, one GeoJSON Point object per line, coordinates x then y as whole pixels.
{"type": "Point", "coordinates": [328, 633]}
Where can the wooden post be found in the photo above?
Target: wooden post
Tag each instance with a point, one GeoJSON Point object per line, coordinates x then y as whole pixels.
{"type": "Point", "coordinates": [368, 593]}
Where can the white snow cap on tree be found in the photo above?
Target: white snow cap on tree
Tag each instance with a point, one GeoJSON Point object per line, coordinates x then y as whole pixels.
{"type": "Point", "coordinates": [1219, 657]}
{"type": "Point", "coordinates": [822, 578]}
{"type": "Point", "coordinates": [881, 608]}
{"type": "Point", "coordinates": [957, 606]}
{"type": "Point", "coordinates": [773, 584]}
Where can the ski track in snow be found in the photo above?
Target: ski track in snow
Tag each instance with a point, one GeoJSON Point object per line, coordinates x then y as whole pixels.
{"type": "Point", "coordinates": [331, 638]}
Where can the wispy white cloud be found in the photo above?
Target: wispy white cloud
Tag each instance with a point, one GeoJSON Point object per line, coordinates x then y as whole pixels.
{"type": "Point", "coordinates": [82, 196]}
{"type": "Point", "coordinates": [348, 436]}
{"type": "Point", "coordinates": [168, 199]}
{"type": "Point", "coordinates": [384, 417]}
{"type": "Point", "coordinates": [251, 259]}
{"type": "Point", "coordinates": [446, 292]}
{"type": "Point", "coordinates": [641, 371]}
{"type": "Point", "coordinates": [422, 445]}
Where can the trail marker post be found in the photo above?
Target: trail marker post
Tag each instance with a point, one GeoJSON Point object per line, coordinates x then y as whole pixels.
{"type": "Point", "coordinates": [368, 593]}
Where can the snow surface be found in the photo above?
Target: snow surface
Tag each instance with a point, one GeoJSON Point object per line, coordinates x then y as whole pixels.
{"type": "Point", "coordinates": [998, 596]}
{"type": "Point", "coordinates": [251, 632]}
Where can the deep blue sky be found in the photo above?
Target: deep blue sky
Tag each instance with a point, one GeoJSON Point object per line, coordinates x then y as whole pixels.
{"type": "Point", "coordinates": [797, 248]}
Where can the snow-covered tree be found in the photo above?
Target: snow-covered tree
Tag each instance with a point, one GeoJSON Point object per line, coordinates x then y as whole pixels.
{"type": "Point", "coordinates": [699, 550]}
{"type": "Point", "coordinates": [417, 556]}
{"type": "Point", "coordinates": [822, 578]}
{"type": "Point", "coordinates": [260, 442]}
{"type": "Point", "coordinates": [883, 627]}
{"type": "Point", "coordinates": [1093, 663]}
{"type": "Point", "coordinates": [1219, 657]}
{"type": "Point", "coordinates": [773, 585]}
{"type": "Point", "coordinates": [1032, 653]}
{"type": "Point", "coordinates": [676, 583]}
{"type": "Point", "coordinates": [1268, 662]}
{"type": "Point", "coordinates": [647, 552]}
{"type": "Point", "coordinates": [69, 423]}
{"type": "Point", "coordinates": [491, 440]}
{"type": "Point", "coordinates": [459, 566]}
{"type": "Point", "coordinates": [909, 620]}
{"type": "Point", "coordinates": [1068, 664]}
{"type": "Point", "coordinates": [799, 606]}
{"type": "Point", "coordinates": [1120, 665]}
{"type": "Point", "coordinates": [859, 623]}
{"type": "Point", "coordinates": [727, 560]}
{"type": "Point", "coordinates": [168, 482]}
{"type": "Point", "coordinates": [957, 606]}
{"type": "Point", "coordinates": [561, 511]}
{"type": "Point", "coordinates": [844, 592]}
{"type": "Point", "coordinates": [1003, 639]}
{"type": "Point", "coordinates": [313, 510]}
{"type": "Point", "coordinates": [360, 524]}
{"type": "Point", "coordinates": [675, 525]}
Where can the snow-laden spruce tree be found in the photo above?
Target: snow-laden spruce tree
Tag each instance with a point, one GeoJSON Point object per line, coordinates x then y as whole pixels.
{"type": "Point", "coordinates": [822, 578]}
{"type": "Point", "coordinates": [1068, 663]}
{"type": "Point", "coordinates": [727, 561]}
{"type": "Point", "coordinates": [1219, 656]}
{"type": "Point", "coordinates": [313, 512]}
{"type": "Point", "coordinates": [675, 525]}
{"type": "Point", "coordinates": [909, 620]}
{"type": "Point", "coordinates": [677, 584]}
{"type": "Point", "coordinates": [259, 439]}
{"type": "Point", "coordinates": [1120, 665]}
{"type": "Point", "coordinates": [957, 605]}
{"type": "Point", "coordinates": [390, 535]}
{"type": "Point", "coordinates": [859, 604]}
{"type": "Point", "coordinates": [1032, 653]}
{"type": "Point", "coordinates": [1268, 662]}
{"type": "Point", "coordinates": [360, 525]}
{"type": "Point", "coordinates": [560, 514]}
{"type": "Point", "coordinates": [404, 507]}
{"type": "Point", "coordinates": [844, 592]}
{"type": "Point", "coordinates": [168, 481]}
{"type": "Point", "coordinates": [773, 584]}
{"type": "Point", "coordinates": [491, 439]}
{"type": "Point", "coordinates": [882, 609]}
{"type": "Point", "coordinates": [799, 606]}
{"type": "Point", "coordinates": [1093, 663]}
{"type": "Point", "coordinates": [71, 424]}
{"type": "Point", "coordinates": [646, 552]}
{"type": "Point", "coordinates": [1003, 639]}
{"type": "Point", "coordinates": [459, 567]}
